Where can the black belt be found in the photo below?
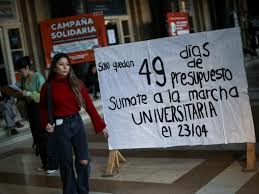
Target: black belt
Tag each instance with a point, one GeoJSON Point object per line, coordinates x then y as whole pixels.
{"type": "Point", "coordinates": [69, 117]}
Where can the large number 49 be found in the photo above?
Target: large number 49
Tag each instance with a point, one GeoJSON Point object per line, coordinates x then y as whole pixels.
{"type": "Point", "coordinates": [158, 67]}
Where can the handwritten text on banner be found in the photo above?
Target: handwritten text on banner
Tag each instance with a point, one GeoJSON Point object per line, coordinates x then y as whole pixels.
{"type": "Point", "coordinates": [185, 90]}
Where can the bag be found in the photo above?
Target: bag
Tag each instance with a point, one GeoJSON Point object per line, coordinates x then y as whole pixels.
{"type": "Point", "coordinates": [46, 144]}
{"type": "Point", "coordinates": [52, 159]}
{"type": "Point", "coordinates": [46, 148]}
{"type": "Point", "coordinates": [41, 143]}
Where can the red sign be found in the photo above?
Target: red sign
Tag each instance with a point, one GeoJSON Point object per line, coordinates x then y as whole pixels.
{"type": "Point", "coordinates": [178, 23]}
{"type": "Point", "coordinates": [76, 35]}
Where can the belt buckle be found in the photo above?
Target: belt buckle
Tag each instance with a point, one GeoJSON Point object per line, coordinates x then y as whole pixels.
{"type": "Point", "coordinates": [59, 122]}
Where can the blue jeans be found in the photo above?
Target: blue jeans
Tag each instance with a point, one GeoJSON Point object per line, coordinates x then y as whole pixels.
{"type": "Point", "coordinates": [71, 136]}
{"type": "Point", "coordinates": [8, 112]}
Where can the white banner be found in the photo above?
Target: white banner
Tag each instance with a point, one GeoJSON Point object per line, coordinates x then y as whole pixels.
{"type": "Point", "coordinates": [184, 90]}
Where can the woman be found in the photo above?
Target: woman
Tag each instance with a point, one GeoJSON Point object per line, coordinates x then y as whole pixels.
{"type": "Point", "coordinates": [31, 83]}
{"type": "Point", "coordinates": [92, 81]}
{"type": "Point", "coordinates": [69, 94]}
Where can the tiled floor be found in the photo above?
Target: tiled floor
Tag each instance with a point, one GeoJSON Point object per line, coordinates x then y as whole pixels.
{"type": "Point", "coordinates": [13, 189]}
{"type": "Point", "coordinates": [165, 171]}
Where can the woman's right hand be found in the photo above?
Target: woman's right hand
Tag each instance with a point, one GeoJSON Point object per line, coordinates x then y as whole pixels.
{"type": "Point", "coordinates": [50, 128]}
{"type": "Point", "coordinates": [105, 133]}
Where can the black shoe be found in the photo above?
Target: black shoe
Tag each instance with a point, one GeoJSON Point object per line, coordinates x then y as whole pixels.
{"type": "Point", "coordinates": [19, 125]}
{"type": "Point", "coordinates": [33, 145]}
{"type": "Point", "coordinates": [14, 132]}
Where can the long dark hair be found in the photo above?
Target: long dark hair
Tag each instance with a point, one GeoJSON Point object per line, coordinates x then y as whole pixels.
{"type": "Point", "coordinates": [73, 80]}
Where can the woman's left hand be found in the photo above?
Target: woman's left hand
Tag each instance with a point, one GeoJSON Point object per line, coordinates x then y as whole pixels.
{"type": "Point", "coordinates": [50, 128]}
{"type": "Point", "coordinates": [26, 93]}
{"type": "Point", "coordinates": [105, 133]}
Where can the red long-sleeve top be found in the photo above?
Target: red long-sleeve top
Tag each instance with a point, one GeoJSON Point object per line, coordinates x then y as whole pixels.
{"type": "Point", "coordinates": [65, 103]}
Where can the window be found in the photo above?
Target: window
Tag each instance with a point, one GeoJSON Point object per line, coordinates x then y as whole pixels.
{"type": "Point", "coordinates": [15, 42]}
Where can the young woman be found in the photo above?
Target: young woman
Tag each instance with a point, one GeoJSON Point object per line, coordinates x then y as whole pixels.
{"type": "Point", "coordinates": [68, 96]}
{"type": "Point", "coordinates": [31, 83]}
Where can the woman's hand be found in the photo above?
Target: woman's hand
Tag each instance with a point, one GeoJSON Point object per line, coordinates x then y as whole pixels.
{"type": "Point", "coordinates": [105, 133]}
{"type": "Point", "coordinates": [26, 93]}
{"type": "Point", "coordinates": [50, 128]}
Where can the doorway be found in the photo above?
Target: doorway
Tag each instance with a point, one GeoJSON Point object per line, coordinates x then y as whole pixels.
{"type": "Point", "coordinates": [3, 61]}
{"type": "Point", "coordinates": [118, 30]}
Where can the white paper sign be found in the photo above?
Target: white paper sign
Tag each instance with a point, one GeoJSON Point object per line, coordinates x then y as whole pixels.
{"type": "Point", "coordinates": [184, 90]}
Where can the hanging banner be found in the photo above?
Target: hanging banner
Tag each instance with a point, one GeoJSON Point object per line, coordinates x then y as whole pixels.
{"type": "Point", "coordinates": [176, 91]}
{"type": "Point", "coordinates": [76, 35]}
{"type": "Point", "coordinates": [178, 23]}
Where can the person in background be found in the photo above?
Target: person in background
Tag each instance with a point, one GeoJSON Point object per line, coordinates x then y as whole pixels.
{"type": "Point", "coordinates": [252, 38]}
{"type": "Point", "coordinates": [92, 81]}
{"type": "Point", "coordinates": [7, 109]}
{"type": "Point", "coordinates": [30, 84]}
{"type": "Point", "coordinates": [69, 95]}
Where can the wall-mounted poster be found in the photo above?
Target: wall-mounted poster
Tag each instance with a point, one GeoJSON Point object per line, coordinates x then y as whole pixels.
{"type": "Point", "coordinates": [178, 23]}
{"type": "Point", "coordinates": [76, 35]}
{"type": "Point", "coordinates": [111, 36]}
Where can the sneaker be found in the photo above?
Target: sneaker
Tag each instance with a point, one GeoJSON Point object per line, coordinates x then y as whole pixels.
{"type": "Point", "coordinates": [40, 169]}
{"type": "Point", "coordinates": [50, 171]}
{"type": "Point", "coordinates": [19, 125]}
{"type": "Point", "coordinates": [14, 132]}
